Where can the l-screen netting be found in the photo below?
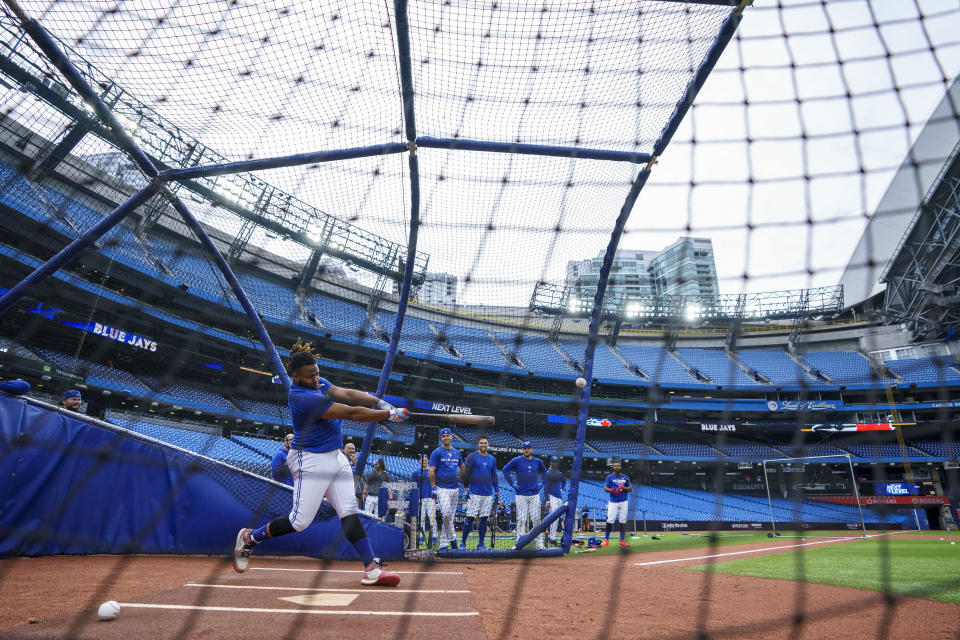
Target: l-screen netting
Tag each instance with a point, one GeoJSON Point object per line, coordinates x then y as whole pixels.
{"type": "Point", "coordinates": [782, 161]}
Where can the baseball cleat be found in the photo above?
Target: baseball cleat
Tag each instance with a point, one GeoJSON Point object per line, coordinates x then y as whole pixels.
{"type": "Point", "coordinates": [623, 543]}
{"type": "Point", "coordinates": [241, 550]}
{"type": "Point", "coordinates": [376, 576]}
{"type": "Point", "coordinates": [605, 543]}
{"type": "Point", "coordinates": [481, 547]}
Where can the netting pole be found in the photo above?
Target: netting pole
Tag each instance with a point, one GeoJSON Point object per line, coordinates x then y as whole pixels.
{"type": "Point", "coordinates": [410, 127]}
{"type": "Point", "coordinates": [856, 494]}
{"type": "Point", "coordinates": [766, 481]}
{"type": "Point", "coordinates": [69, 252]}
{"type": "Point", "coordinates": [584, 395]}
{"type": "Point", "coordinates": [123, 140]}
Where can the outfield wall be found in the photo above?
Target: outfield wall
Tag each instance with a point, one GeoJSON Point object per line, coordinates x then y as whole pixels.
{"type": "Point", "coordinates": [74, 485]}
{"type": "Point", "coordinates": [708, 525]}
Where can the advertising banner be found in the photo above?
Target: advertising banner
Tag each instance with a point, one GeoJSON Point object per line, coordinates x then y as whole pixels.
{"type": "Point", "coordinates": [805, 405]}
{"type": "Point", "coordinates": [895, 501]}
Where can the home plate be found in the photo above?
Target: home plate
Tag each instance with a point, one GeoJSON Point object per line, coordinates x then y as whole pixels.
{"type": "Point", "coordinates": [323, 599]}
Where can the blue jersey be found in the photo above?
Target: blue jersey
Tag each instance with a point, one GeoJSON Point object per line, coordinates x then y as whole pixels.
{"type": "Point", "coordinates": [281, 472]}
{"type": "Point", "coordinates": [425, 490]}
{"type": "Point", "coordinates": [483, 473]}
{"type": "Point", "coordinates": [447, 462]}
{"type": "Point", "coordinates": [310, 431]}
{"type": "Point", "coordinates": [554, 483]}
{"type": "Point", "coordinates": [613, 481]}
{"type": "Point", "coordinates": [527, 472]}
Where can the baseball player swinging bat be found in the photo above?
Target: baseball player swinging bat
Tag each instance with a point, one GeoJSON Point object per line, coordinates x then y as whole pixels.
{"type": "Point", "coordinates": [458, 418]}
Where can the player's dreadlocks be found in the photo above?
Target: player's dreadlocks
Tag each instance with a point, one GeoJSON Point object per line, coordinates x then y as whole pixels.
{"type": "Point", "coordinates": [300, 355]}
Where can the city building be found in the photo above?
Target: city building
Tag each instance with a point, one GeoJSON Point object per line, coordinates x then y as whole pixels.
{"type": "Point", "coordinates": [438, 289]}
{"type": "Point", "coordinates": [684, 271]}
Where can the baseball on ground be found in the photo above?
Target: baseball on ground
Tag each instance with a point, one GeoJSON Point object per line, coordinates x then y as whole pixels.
{"type": "Point", "coordinates": [108, 610]}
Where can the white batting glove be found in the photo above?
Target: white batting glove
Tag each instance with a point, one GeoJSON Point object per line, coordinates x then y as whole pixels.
{"type": "Point", "coordinates": [383, 405]}
{"type": "Point", "coordinates": [397, 415]}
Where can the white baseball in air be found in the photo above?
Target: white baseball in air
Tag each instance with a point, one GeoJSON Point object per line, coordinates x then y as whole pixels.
{"type": "Point", "coordinates": [953, 543]}
{"type": "Point", "coordinates": [581, 383]}
{"type": "Point", "coordinates": [109, 610]}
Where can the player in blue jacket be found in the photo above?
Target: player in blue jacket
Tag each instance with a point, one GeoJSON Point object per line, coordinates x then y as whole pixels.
{"type": "Point", "coordinates": [553, 494]}
{"type": "Point", "coordinates": [319, 468]}
{"type": "Point", "coordinates": [278, 466]}
{"type": "Point", "coordinates": [427, 505]}
{"type": "Point", "coordinates": [446, 466]}
{"type": "Point", "coordinates": [618, 486]}
{"type": "Point", "coordinates": [480, 477]}
{"type": "Point", "coordinates": [524, 473]}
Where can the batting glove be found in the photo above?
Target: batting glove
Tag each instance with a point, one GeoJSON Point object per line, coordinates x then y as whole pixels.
{"type": "Point", "coordinates": [397, 415]}
{"type": "Point", "coordinates": [383, 405]}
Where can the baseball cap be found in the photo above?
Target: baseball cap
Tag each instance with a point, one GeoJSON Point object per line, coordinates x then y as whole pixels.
{"type": "Point", "coordinates": [446, 432]}
{"type": "Point", "coordinates": [70, 393]}
{"type": "Point", "coordinates": [525, 444]}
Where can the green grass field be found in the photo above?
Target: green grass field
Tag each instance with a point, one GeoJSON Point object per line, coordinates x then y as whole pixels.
{"type": "Point", "coordinates": [924, 568]}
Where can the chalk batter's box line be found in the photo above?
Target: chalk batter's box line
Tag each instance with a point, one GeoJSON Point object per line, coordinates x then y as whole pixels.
{"type": "Point", "coordinates": [325, 590]}
{"type": "Point", "coordinates": [335, 612]}
{"type": "Point", "coordinates": [426, 573]}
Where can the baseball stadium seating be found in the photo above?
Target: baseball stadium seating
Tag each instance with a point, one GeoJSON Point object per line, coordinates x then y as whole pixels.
{"type": "Point", "coordinates": [932, 371]}
{"type": "Point", "coordinates": [98, 374]}
{"type": "Point", "coordinates": [777, 366]}
{"type": "Point", "coordinates": [949, 450]}
{"type": "Point", "coordinates": [657, 363]}
{"type": "Point", "coordinates": [622, 446]}
{"type": "Point", "coordinates": [879, 450]}
{"type": "Point", "coordinates": [716, 365]}
{"type": "Point", "coordinates": [14, 347]}
{"type": "Point", "coordinates": [210, 445]}
{"type": "Point", "coordinates": [687, 449]}
{"type": "Point", "coordinates": [843, 367]}
{"type": "Point", "coordinates": [749, 450]}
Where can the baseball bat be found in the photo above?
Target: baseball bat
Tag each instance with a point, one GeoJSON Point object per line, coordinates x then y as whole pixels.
{"type": "Point", "coordinates": [458, 418]}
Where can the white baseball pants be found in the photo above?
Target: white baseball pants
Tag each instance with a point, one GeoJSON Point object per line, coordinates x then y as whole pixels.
{"type": "Point", "coordinates": [479, 506]}
{"type": "Point", "coordinates": [528, 509]}
{"type": "Point", "coordinates": [428, 516]}
{"type": "Point", "coordinates": [555, 503]}
{"type": "Point", "coordinates": [371, 504]}
{"type": "Point", "coordinates": [617, 510]}
{"type": "Point", "coordinates": [317, 476]}
{"type": "Point", "coordinates": [448, 499]}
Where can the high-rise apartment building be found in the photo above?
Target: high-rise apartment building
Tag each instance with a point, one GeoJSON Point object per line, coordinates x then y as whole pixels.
{"type": "Point", "coordinates": [685, 269]}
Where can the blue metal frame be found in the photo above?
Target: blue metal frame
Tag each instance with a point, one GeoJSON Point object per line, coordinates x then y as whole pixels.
{"type": "Point", "coordinates": [533, 149]}
{"type": "Point", "coordinates": [294, 160]}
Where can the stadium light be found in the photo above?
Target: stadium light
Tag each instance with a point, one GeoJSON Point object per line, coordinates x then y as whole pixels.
{"type": "Point", "coordinates": [692, 312]}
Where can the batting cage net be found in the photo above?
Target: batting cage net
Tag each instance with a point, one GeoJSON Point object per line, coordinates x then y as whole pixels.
{"type": "Point", "coordinates": [661, 275]}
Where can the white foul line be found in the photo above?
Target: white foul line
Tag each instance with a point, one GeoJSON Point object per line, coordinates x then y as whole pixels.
{"type": "Point", "coordinates": [431, 573]}
{"type": "Point", "coordinates": [368, 590]}
{"type": "Point", "coordinates": [737, 553]}
{"type": "Point", "coordinates": [336, 612]}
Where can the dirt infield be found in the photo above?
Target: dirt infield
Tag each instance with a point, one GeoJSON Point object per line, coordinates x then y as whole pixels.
{"type": "Point", "coordinates": [580, 597]}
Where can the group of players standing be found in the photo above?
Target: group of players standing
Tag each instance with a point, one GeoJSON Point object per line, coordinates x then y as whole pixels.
{"type": "Point", "coordinates": [439, 479]}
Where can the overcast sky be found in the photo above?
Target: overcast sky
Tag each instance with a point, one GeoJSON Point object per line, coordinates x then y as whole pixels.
{"type": "Point", "coordinates": [775, 162]}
